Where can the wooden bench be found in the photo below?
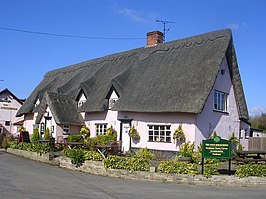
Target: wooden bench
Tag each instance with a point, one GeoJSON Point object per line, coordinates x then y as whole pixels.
{"type": "Point", "coordinates": [256, 157]}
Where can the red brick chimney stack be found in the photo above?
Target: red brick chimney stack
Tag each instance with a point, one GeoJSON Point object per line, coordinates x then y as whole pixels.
{"type": "Point", "coordinates": [154, 38]}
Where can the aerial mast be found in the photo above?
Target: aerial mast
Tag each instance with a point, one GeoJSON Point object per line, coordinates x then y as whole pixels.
{"type": "Point", "coordinates": [165, 29]}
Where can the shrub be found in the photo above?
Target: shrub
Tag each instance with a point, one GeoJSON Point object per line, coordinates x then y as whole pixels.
{"type": "Point", "coordinates": [145, 153]}
{"type": "Point", "coordinates": [251, 170]}
{"type": "Point", "coordinates": [35, 136]}
{"type": "Point", "coordinates": [179, 134]}
{"type": "Point", "coordinates": [38, 148]}
{"type": "Point", "coordinates": [186, 149]}
{"type": "Point", "coordinates": [75, 138]}
{"type": "Point", "coordinates": [174, 166]}
{"type": "Point", "coordinates": [85, 131]}
{"type": "Point", "coordinates": [1, 139]}
{"type": "Point", "coordinates": [92, 155]}
{"type": "Point", "coordinates": [128, 163]}
{"type": "Point", "coordinates": [104, 139]}
{"type": "Point", "coordinates": [76, 155]}
{"type": "Point", "coordinates": [210, 169]}
{"type": "Point", "coordinates": [47, 134]}
{"type": "Point", "coordinates": [6, 140]}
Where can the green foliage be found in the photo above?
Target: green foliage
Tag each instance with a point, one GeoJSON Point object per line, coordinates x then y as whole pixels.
{"type": "Point", "coordinates": [8, 138]}
{"type": "Point", "coordinates": [35, 136]}
{"type": "Point", "coordinates": [111, 131]}
{"type": "Point", "coordinates": [251, 170]}
{"type": "Point", "coordinates": [104, 139]}
{"type": "Point", "coordinates": [186, 149]}
{"type": "Point", "coordinates": [213, 135]}
{"type": "Point", "coordinates": [233, 139]}
{"type": "Point", "coordinates": [174, 166]}
{"type": "Point", "coordinates": [134, 134]}
{"type": "Point", "coordinates": [210, 170]}
{"type": "Point", "coordinates": [196, 157]}
{"type": "Point", "coordinates": [258, 121]}
{"type": "Point", "coordinates": [127, 163]}
{"type": "Point", "coordinates": [21, 128]}
{"type": "Point", "coordinates": [1, 139]}
{"type": "Point", "coordinates": [77, 156]}
{"type": "Point", "coordinates": [75, 138]}
{"type": "Point", "coordinates": [92, 155]}
{"type": "Point", "coordinates": [145, 153]}
{"type": "Point", "coordinates": [85, 131]}
{"type": "Point", "coordinates": [47, 134]}
{"type": "Point", "coordinates": [38, 148]}
{"type": "Point", "coordinates": [179, 134]}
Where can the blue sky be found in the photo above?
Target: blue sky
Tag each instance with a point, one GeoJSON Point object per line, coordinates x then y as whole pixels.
{"type": "Point", "coordinates": [25, 57]}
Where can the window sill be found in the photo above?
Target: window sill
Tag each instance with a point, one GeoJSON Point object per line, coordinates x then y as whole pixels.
{"type": "Point", "coordinates": [226, 113]}
{"type": "Point", "coordinates": [160, 142]}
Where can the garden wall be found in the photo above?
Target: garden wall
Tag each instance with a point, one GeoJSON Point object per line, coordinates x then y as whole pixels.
{"type": "Point", "coordinates": [97, 168]}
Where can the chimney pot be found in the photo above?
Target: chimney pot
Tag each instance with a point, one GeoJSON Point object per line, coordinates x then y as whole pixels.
{"type": "Point", "coordinates": [154, 38]}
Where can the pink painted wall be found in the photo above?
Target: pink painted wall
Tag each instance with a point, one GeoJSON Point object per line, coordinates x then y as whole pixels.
{"type": "Point", "coordinates": [209, 120]}
{"type": "Point", "coordinates": [8, 111]}
{"type": "Point", "coordinates": [142, 120]}
{"type": "Point", "coordinates": [29, 121]}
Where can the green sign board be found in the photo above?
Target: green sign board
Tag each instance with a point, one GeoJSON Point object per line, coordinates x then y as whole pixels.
{"type": "Point", "coordinates": [216, 148]}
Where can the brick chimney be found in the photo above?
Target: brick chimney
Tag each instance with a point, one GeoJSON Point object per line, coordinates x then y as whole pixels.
{"type": "Point", "coordinates": [154, 38]}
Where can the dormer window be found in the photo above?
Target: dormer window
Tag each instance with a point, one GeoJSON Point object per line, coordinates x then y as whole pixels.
{"type": "Point", "coordinates": [113, 98]}
{"type": "Point", "coordinates": [37, 102]}
{"type": "Point", "coordinates": [81, 99]}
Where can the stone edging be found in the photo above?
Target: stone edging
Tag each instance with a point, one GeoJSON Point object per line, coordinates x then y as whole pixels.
{"type": "Point", "coordinates": [97, 168]}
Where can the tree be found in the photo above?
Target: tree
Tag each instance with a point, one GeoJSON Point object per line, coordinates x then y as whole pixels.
{"type": "Point", "coordinates": [259, 121]}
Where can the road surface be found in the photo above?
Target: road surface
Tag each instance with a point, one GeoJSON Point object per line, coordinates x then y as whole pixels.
{"type": "Point", "coordinates": [26, 179]}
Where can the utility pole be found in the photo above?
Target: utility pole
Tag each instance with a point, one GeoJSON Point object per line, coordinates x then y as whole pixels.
{"type": "Point", "coordinates": [165, 29]}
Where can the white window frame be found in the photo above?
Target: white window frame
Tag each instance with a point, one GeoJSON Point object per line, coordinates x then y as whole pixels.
{"type": "Point", "coordinates": [159, 133]}
{"type": "Point", "coordinates": [220, 101]}
{"type": "Point", "coordinates": [66, 129]}
{"type": "Point", "coordinates": [101, 128]}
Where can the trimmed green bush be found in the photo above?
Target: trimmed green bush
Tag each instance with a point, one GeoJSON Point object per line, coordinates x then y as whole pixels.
{"type": "Point", "coordinates": [174, 166]}
{"type": "Point", "coordinates": [76, 155]}
{"type": "Point", "coordinates": [210, 170]}
{"type": "Point", "coordinates": [104, 139]}
{"type": "Point", "coordinates": [93, 155]}
{"type": "Point", "coordinates": [246, 170]}
{"type": "Point", "coordinates": [35, 136]}
{"type": "Point", "coordinates": [127, 163]}
{"type": "Point", "coordinates": [75, 138]}
{"type": "Point", "coordinates": [47, 134]}
{"type": "Point", "coordinates": [145, 153]}
{"type": "Point", "coordinates": [38, 148]}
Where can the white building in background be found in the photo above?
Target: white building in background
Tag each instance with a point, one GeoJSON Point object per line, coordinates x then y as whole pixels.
{"type": "Point", "coordinates": [9, 105]}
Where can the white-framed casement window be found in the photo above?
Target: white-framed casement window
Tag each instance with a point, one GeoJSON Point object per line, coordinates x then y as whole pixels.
{"type": "Point", "coordinates": [66, 129]}
{"type": "Point", "coordinates": [159, 133]}
{"type": "Point", "coordinates": [101, 129]}
{"type": "Point", "coordinates": [220, 101]}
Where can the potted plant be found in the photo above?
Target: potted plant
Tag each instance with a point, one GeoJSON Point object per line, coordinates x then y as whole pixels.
{"type": "Point", "coordinates": [111, 131]}
{"type": "Point", "coordinates": [134, 134]}
{"type": "Point", "coordinates": [185, 152]}
{"type": "Point", "coordinates": [179, 134]}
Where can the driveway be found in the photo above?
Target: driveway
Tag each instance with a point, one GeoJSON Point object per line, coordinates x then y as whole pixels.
{"type": "Point", "coordinates": [26, 179]}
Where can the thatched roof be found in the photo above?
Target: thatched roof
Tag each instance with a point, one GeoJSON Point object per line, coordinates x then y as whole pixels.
{"type": "Point", "coordinates": [63, 108]}
{"type": "Point", "coordinates": [176, 76]}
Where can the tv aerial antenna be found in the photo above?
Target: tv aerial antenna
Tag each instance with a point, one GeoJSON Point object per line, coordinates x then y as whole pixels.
{"type": "Point", "coordinates": [165, 29]}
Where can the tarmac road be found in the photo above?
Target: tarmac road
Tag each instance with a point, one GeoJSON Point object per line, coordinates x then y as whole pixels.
{"type": "Point", "coordinates": [26, 179]}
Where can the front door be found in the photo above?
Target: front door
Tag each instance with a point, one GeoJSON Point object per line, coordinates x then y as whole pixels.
{"type": "Point", "coordinates": [125, 136]}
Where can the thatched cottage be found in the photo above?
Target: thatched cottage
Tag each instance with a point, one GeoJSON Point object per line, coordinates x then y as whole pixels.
{"type": "Point", "coordinates": [193, 82]}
